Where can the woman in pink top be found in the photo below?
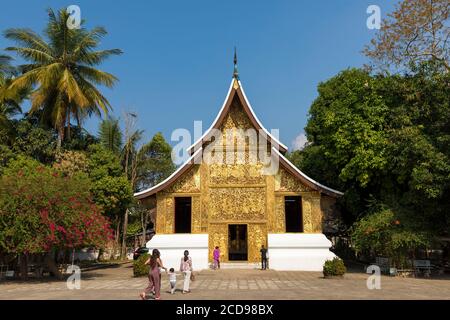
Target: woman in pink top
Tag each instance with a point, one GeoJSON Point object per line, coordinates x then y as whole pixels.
{"type": "Point", "coordinates": [186, 269]}
{"type": "Point", "coordinates": [216, 258]}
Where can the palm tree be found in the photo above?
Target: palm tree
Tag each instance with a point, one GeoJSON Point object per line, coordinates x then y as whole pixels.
{"type": "Point", "coordinates": [9, 99]}
{"type": "Point", "coordinates": [110, 135]}
{"type": "Point", "coordinates": [62, 71]}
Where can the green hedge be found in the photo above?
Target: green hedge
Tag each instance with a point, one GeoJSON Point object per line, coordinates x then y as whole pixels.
{"type": "Point", "coordinates": [334, 267]}
{"type": "Point", "coordinates": [140, 269]}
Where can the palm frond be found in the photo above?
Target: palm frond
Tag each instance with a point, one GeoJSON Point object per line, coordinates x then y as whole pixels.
{"type": "Point", "coordinates": [31, 54]}
{"type": "Point", "coordinates": [97, 76]}
{"type": "Point", "coordinates": [110, 134]}
{"type": "Point", "coordinates": [97, 57]}
{"type": "Point", "coordinates": [28, 39]}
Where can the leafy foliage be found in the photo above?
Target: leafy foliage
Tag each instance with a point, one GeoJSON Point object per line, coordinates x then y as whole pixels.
{"type": "Point", "coordinates": [62, 68]}
{"type": "Point", "coordinates": [384, 233]}
{"type": "Point", "coordinates": [385, 138]}
{"type": "Point", "coordinates": [140, 269]}
{"type": "Point", "coordinates": [71, 162]}
{"type": "Point", "coordinates": [41, 210]}
{"type": "Point", "coordinates": [155, 162]}
{"type": "Point", "coordinates": [109, 186]}
{"type": "Point", "coordinates": [334, 267]}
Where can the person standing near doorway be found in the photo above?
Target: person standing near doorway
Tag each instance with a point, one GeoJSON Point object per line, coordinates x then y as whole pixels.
{"type": "Point", "coordinates": [186, 268]}
{"type": "Point", "coordinates": [263, 258]}
{"type": "Point", "coordinates": [216, 258]}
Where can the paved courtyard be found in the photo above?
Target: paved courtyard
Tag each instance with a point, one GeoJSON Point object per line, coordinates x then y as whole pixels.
{"type": "Point", "coordinates": [117, 282]}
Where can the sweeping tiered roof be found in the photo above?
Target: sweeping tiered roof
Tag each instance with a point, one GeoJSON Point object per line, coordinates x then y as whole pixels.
{"type": "Point", "coordinates": [236, 91]}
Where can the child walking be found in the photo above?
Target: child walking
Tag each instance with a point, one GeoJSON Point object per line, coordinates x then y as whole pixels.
{"type": "Point", "coordinates": [173, 280]}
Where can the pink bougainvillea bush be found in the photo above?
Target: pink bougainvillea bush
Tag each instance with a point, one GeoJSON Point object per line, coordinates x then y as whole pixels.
{"type": "Point", "coordinates": [41, 209]}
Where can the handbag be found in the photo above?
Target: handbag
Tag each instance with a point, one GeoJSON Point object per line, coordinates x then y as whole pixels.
{"type": "Point", "coordinates": [192, 277]}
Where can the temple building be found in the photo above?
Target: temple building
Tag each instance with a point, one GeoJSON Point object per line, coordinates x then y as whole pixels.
{"type": "Point", "coordinates": [235, 204]}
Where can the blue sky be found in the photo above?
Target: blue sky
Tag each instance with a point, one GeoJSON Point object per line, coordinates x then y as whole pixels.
{"type": "Point", "coordinates": [178, 55]}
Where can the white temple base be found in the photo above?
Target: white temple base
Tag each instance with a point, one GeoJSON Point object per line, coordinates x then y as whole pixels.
{"type": "Point", "coordinates": [172, 246]}
{"type": "Point", "coordinates": [287, 251]}
{"type": "Point", "coordinates": [298, 251]}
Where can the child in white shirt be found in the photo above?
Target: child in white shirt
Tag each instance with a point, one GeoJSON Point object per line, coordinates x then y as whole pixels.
{"type": "Point", "coordinates": [172, 279]}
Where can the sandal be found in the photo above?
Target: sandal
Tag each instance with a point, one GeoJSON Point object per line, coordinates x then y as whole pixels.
{"type": "Point", "coordinates": [142, 295]}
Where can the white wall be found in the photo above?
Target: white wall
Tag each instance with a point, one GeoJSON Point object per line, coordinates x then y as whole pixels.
{"type": "Point", "coordinates": [287, 251]}
{"type": "Point", "coordinates": [298, 251]}
{"type": "Point", "coordinates": [172, 246]}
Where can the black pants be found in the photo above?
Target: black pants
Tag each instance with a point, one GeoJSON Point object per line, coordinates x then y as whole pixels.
{"type": "Point", "coordinates": [263, 263]}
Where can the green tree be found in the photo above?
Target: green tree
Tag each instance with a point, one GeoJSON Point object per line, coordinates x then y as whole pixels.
{"type": "Point", "coordinates": [110, 187]}
{"type": "Point", "coordinates": [62, 69]}
{"type": "Point", "coordinates": [154, 162]}
{"type": "Point", "coordinates": [384, 138]}
{"type": "Point", "coordinates": [383, 233]}
{"type": "Point", "coordinates": [34, 141]}
{"type": "Point", "coordinates": [9, 99]}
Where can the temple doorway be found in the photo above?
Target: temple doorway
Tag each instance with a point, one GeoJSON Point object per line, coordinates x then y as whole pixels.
{"type": "Point", "coordinates": [183, 214]}
{"type": "Point", "coordinates": [237, 242]}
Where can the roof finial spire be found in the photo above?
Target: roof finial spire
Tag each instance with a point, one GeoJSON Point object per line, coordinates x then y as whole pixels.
{"type": "Point", "coordinates": [235, 73]}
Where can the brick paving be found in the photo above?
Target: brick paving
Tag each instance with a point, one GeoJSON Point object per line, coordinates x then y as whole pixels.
{"type": "Point", "coordinates": [231, 284]}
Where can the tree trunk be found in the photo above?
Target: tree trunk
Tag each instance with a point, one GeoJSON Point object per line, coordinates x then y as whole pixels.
{"type": "Point", "coordinates": [52, 267]}
{"type": "Point", "coordinates": [117, 240]}
{"type": "Point", "coordinates": [68, 126]}
{"type": "Point", "coordinates": [144, 228]}
{"type": "Point", "coordinates": [24, 266]}
{"type": "Point", "coordinates": [60, 137]}
{"type": "Point", "coordinates": [123, 251]}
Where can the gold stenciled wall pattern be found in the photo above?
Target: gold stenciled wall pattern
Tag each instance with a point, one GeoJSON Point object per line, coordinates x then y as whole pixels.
{"type": "Point", "coordinates": [237, 204]}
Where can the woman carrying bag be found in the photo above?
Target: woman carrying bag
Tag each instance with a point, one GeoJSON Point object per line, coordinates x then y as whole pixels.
{"type": "Point", "coordinates": [186, 268]}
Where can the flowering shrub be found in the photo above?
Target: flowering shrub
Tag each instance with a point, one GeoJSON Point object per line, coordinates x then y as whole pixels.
{"type": "Point", "coordinates": [41, 210]}
{"type": "Point", "coordinates": [383, 233]}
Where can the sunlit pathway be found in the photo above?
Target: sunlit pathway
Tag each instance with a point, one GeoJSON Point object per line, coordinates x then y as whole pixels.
{"type": "Point", "coordinates": [118, 283]}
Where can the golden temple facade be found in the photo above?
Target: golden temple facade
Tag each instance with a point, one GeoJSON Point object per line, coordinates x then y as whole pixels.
{"type": "Point", "coordinates": [235, 203]}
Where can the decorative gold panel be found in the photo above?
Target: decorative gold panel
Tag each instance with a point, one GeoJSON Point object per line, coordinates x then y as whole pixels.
{"type": "Point", "coordinates": [285, 181]}
{"type": "Point", "coordinates": [280, 220]}
{"type": "Point", "coordinates": [161, 213]}
{"type": "Point", "coordinates": [189, 182]}
{"type": "Point", "coordinates": [236, 118]}
{"type": "Point", "coordinates": [270, 202]}
{"type": "Point", "coordinates": [218, 236]}
{"type": "Point", "coordinates": [257, 236]}
{"type": "Point", "coordinates": [307, 204]}
{"type": "Point", "coordinates": [235, 174]}
{"type": "Point", "coordinates": [196, 215]}
{"type": "Point", "coordinates": [316, 214]}
{"type": "Point", "coordinates": [237, 204]}
{"type": "Point", "coordinates": [170, 214]}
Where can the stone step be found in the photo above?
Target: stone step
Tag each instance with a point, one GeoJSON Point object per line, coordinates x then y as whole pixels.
{"type": "Point", "coordinates": [239, 265]}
